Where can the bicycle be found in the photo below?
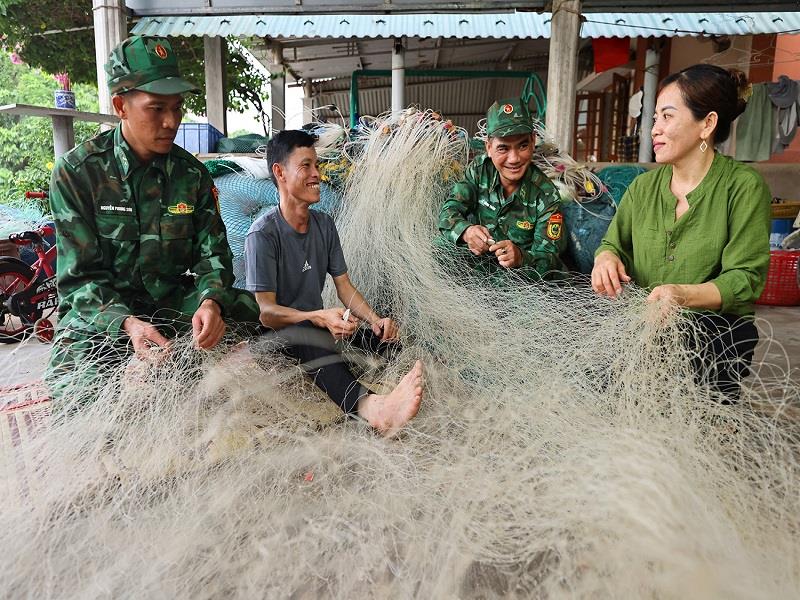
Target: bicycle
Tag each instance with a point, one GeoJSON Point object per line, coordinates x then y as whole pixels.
{"type": "Point", "coordinates": [28, 294]}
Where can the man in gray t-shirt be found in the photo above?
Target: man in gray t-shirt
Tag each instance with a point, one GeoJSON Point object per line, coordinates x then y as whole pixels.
{"type": "Point", "coordinates": [288, 253]}
{"type": "Point", "coordinates": [292, 264]}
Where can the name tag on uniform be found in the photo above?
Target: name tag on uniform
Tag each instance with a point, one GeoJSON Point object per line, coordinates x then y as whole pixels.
{"type": "Point", "coordinates": [117, 209]}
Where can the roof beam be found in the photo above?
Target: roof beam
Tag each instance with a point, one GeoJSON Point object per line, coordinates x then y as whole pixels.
{"type": "Point", "coordinates": [289, 7]}
{"type": "Point", "coordinates": [438, 53]}
{"type": "Point", "coordinates": [504, 59]}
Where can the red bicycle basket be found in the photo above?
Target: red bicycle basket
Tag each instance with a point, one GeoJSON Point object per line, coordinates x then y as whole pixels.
{"type": "Point", "coordinates": [781, 288]}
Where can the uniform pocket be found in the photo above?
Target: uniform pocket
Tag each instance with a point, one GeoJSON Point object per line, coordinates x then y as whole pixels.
{"type": "Point", "coordinates": [521, 231]}
{"type": "Point", "coordinates": [119, 240]}
{"type": "Point", "coordinates": [176, 228]}
{"type": "Point", "coordinates": [177, 234]}
{"type": "Point", "coordinates": [117, 227]}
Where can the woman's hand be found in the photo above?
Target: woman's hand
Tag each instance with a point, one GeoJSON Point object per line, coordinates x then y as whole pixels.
{"type": "Point", "coordinates": [608, 274]}
{"type": "Point", "coordinates": [664, 302]}
{"type": "Point", "coordinates": [690, 295]}
{"type": "Point", "coordinates": [669, 293]}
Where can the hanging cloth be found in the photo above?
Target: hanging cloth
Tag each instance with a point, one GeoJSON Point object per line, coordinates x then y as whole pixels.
{"type": "Point", "coordinates": [756, 126]}
{"type": "Point", "coordinates": [785, 95]}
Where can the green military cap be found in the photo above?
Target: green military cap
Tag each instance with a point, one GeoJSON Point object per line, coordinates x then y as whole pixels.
{"type": "Point", "coordinates": [508, 117]}
{"type": "Point", "coordinates": [145, 63]}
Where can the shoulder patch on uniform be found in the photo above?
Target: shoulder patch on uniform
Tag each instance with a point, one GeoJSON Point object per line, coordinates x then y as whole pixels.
{"type": "Point", "coordinates": [215, 194]}
{"type": "Point", "coordinates": [554, 226]}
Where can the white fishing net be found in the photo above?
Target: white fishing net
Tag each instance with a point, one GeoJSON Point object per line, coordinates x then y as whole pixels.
{"type": "Point", "coordinates": [563, 448]}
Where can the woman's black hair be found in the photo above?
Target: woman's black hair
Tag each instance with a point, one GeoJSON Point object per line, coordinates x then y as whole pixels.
{"type": "Point", "coordinates": [709, 88]}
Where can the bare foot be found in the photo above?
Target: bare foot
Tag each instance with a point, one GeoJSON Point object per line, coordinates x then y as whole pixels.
{"type": "Point", "coordinates": [388, 413]}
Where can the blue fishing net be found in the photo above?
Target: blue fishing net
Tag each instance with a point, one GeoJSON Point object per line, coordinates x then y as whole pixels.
{"type": "Point", "coordinates": [587, 222]}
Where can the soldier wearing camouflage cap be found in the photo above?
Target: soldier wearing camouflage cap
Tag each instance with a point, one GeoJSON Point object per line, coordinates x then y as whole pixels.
{"type": "Point", "coordinates": [505, 210]}
{"type": "Point", "coordinates": [139, 230]}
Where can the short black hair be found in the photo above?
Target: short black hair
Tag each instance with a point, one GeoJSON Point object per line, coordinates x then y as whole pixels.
{"type": "Point", "coordinates": [283, 143]}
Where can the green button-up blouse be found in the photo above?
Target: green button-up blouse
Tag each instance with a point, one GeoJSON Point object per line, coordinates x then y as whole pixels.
{"type": "Point", "coordinates": [723, 237]}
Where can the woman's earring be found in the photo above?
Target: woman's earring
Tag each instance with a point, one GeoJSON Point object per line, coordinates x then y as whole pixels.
{"type": "Point", "coordinates": [703, 146]}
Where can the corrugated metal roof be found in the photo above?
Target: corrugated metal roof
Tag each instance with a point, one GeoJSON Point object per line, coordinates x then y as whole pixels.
{"type": "Point", "coordinates": [462, 101]}
{"type": "Point", "coordinates": [322, 58]}
{"type": "Point", "coordinates": [511, 25]}
{"type": "Point", "coordinates": [468, 26]}
{"type": "Point", "coordinates": [682, 24]}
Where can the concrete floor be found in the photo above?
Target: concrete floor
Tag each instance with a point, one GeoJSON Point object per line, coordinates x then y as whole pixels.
{"type": "Point", "coordinates": [28, 360]}
{"type": "Point", "coordinates": [777, 359]}
{"type": "Point", "coordinates": [782, 325]}
{"type": "Point", "coordinates": [779, 347]}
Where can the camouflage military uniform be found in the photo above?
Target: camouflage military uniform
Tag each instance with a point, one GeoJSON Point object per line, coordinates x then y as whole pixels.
{"type": "Point", "coordinates": [529, 217]}
{"type": "Point", "coordinates": [134, 239]}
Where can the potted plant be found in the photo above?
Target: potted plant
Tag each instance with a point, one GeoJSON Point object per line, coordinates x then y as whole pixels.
{"type": "Point", "coordinates": [64, 96]}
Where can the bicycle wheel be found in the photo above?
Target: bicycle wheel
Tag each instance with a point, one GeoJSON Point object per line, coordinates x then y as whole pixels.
{"type": "Point", "coordinates": [14, 276]}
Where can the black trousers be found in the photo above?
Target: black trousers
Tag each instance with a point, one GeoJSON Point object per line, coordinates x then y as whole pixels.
{"type": "Point", "coordinates": [724, 344]}
{"type": "Point", "coordinates": [320, 357]}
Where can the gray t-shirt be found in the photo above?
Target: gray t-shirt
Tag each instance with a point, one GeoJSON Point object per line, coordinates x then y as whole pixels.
{"type": "Point", "coordinates": [291, 264]}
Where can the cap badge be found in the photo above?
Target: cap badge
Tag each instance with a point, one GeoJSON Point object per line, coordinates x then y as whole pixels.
{"type": "Point", "coordinates": [161, 51]}
{"type": "Point", "coordinates": [508, 109]}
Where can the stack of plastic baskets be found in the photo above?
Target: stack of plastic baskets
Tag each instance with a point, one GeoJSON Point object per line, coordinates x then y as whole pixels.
{"type": "Point", "coordinates": [782, 282]}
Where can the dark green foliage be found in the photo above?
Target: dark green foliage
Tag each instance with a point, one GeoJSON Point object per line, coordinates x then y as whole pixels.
{"type": "Point", "coordinates": [26, 143]}
{"type": "Point", "coordinates": [24, 23]}
{"type": "Point", "coordinates": [57, 36]}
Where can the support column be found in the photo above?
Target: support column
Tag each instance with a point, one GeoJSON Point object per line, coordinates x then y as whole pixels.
{"type": "Point", "coordinates": [605, 126]}
{"type": "Point", "coordinates": [277, 85]}
{"type": "Point", "coordinates": [562, 72]}
{"type": "Point", "coordinates": [398, 76]}
{"type": "Point", "coordinates": [63, 135]}
{"type": "Point", "coordinates": [308, 102]}
{"type": "Point", "coordinates": [648, 106]}
{"type": "Point", "coordinates": [214, 52]}
{"type": "Point", "coordinates": [110, 28]}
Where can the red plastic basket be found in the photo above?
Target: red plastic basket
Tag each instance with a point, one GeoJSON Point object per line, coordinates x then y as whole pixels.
{"type": "Point", "coordinates": [782, 288]}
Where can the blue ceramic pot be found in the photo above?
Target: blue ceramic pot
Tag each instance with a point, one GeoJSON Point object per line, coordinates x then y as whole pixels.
{"type": "Point", "coordinates": [65, 99]}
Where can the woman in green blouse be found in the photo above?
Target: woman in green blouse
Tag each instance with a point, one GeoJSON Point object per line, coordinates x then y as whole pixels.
{"type": "Point", "coordinates": [696, 230]}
